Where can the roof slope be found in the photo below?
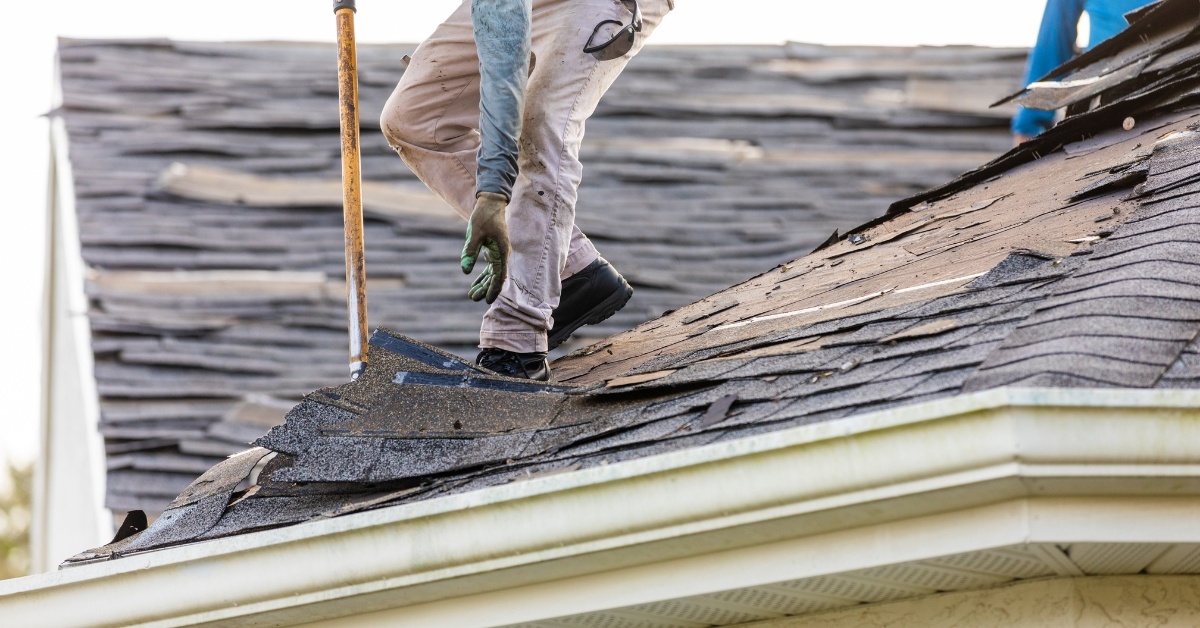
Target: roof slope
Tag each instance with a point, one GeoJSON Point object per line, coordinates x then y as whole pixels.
{"type": "Point", "coordinates": [207, 184]}
{"type": "Point", "coordinates": [1070, 261]}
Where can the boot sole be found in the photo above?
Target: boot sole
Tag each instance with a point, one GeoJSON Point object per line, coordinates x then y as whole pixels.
{"type": "Point", "coordinates": [600, 313]}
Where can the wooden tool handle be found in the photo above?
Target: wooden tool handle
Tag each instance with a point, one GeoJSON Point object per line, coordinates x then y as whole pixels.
{"type": "Point", "coordinates": [356, 274]}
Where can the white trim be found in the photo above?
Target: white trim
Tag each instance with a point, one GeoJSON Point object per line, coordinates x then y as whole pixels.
{"type": "Point", "coordinates": [40, 511]}
{"type": "Point", "coordinates": [985, 470]}
{"type": "Point", "coordinates": [906, 541]}
{"type": "Point", "coordinates": [69, 503]}
{"type": "Point", "coordinates": [76, 271]}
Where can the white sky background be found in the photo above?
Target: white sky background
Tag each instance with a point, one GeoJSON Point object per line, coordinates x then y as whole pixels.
{"type": "Point", "coordinates": [27, 42]}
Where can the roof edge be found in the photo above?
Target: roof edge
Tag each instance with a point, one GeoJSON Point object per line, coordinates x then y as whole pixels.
{"type": "Point", "coordinates": [933, 458]}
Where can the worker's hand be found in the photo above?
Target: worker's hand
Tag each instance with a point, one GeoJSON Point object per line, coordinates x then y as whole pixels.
{"type": "Point", "coordinates": [482, 284]}
{"type": "Point", "coordinates": [487, 231]}
{"type": "Point", "coordinates": [1019, 138]}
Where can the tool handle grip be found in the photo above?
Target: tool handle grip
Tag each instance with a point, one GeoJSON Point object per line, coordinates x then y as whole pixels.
{"type": "Point", "coordinates": [338, 5]}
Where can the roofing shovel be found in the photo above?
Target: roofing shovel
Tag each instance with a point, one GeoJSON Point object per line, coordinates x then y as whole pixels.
{"type": "Point", "coordinates": [356, 273]}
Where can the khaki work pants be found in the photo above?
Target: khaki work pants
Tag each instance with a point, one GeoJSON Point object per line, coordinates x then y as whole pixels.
{"type": "Point", "coordinates": [432, 120]}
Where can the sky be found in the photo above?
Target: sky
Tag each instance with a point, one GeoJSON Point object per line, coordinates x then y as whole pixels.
{"type": "Point", "coordinates": [27, 40]}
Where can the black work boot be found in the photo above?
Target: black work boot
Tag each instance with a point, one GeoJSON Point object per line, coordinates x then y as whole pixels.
{"type": "Point", "coordinates": [509, 363]}
{"type": "Point", "coordinates": [588, 297]}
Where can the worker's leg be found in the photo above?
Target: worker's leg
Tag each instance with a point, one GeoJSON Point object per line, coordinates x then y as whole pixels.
{"type": "Point", "coordinates": [432, 117]}
{"type": "Point", "coordinates": [563, 91]}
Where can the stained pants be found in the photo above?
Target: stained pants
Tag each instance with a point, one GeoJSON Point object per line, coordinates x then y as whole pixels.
{"type": "Point", "coordinates": [432, 120]}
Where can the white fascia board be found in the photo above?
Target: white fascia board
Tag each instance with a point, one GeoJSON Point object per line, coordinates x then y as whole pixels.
{"type": "Point", "coordinates": [78, 311]}
{"type": "Point", "coordinates": [69, 500]}
{"type": "Point", "coordinates": [1049, 465]}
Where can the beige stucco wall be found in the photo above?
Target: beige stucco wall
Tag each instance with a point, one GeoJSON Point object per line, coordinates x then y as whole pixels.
{"type": "Point", "coordinates": [1108, 601]}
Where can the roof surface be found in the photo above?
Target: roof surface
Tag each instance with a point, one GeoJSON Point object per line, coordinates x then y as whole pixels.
{"type": "Point", "coordinates": [1070, 261]}
{"type": "Point", "coordinates": [207, 184]}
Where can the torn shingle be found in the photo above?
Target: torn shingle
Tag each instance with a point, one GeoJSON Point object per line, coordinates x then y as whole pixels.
{"type": "Point", "coordinates": [222, 478]}
{"type": "Point", "coordinates": [181, 524]}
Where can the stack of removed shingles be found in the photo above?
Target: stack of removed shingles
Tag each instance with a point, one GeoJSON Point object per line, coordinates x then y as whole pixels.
{"type": "Point", "coordinates": [1071, 261]}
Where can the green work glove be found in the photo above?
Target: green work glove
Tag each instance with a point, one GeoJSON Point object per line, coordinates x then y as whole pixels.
{"type": "Point", "coordinates": [488, 231]}
{"type": "Point", "coordinates": [482, 284]}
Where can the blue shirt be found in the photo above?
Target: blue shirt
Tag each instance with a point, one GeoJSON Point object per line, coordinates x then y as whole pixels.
{"type": "Point", "coordinates": [1056, 45]}
{"type": "Point", "coordinates": [503, 41]}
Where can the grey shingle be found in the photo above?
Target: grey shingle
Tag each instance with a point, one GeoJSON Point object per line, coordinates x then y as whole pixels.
{"type": "Point", "coordinates": [222, 478]}
{"type": "Point", "coordinates": [1101, 325]}
{"type": "Point", "coordinates": [412, 458]}
{"type": "Point", "coordinates": [181, 523]}
{"type": "Point", "coordinates": [270, 512]}
{"type": "Point", "coordinates": [1131, 349]}
{"type": "Point", "coordinates": [1116, 371]}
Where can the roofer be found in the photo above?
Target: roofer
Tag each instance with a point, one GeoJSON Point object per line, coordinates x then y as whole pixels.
{"type": "Point", "coordinates": [1056, 45]}
{"type": "Point", "coordinates": [490, 115]}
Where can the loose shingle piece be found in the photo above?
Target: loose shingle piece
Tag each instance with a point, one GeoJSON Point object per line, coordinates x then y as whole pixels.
{"type": "Point", "coordinates": [1068, 261]}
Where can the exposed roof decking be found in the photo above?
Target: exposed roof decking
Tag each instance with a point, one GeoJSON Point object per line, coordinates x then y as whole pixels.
{"type": "Point", "coordinates": [937, 248]}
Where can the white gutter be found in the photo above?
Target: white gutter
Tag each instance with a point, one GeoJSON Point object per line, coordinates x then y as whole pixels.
{"type": "Point", "coordinates": [990, 469]}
